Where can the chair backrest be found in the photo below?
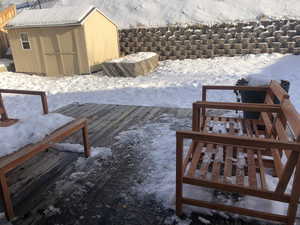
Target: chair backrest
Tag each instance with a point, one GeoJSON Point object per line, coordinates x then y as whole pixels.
{"type": "Point", "coordinates": [275, 93]}
{"type": "Point", "coordinates": [3, 114]}
{"type": "Point", "coordinates": [287, 128]}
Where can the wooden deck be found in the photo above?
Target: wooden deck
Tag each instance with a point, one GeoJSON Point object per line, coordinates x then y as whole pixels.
{"type": "Point", "coordinates": [45, 193]}
{"type": "Point", "coordinates": [32, 183]}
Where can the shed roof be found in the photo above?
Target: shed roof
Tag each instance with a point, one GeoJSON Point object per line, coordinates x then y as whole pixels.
{"type": "Point", "coordinates": [57, 16]}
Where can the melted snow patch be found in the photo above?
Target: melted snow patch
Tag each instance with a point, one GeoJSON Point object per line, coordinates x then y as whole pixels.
{"type": "Point", "coordinates": [95, 151]}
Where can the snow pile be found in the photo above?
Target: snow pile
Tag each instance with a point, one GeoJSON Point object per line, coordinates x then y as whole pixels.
{"type": "Point", "coordinates": [134, 13]}
{"type": "Point", "coordinates": [95, 151]}
{"type": "Point", "coordinates": [134, 58]}
{"type": "Point", "coordinates": [29, 131]}
{"type": "Point", "coordinates": [173, 84]}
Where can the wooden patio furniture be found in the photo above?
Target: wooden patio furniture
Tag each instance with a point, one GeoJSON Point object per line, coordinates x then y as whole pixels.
{"type": "Point", "coordinates": [9, 162]}
{"type": "Point", "coordinates": [275, 94]}
{"type": "Point", "coordinates": [213, 158]}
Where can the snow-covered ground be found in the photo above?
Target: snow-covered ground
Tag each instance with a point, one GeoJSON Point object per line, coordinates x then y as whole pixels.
{"type": "Point", "coordinates": [127, 13]}
{"type": "Point", "coordinates": [172, 84]}
{"type": "Point", "coordinates": [133, 13]}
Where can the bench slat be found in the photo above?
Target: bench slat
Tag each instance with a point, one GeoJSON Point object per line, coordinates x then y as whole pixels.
{"type": "Point", "coordinates": [189, 155]}
{"type": "Point", "coordinates": [229, 156]}
{"type": "Point", "coordinates": [216, 170]}
{"type": "Point", "coordinates": [196, 158]}
{"type": "Point", "coordinates": [260, 161]}
{"type": "Point", "coordinates": [219, 157]}
{"type": "Point", "coordinates": [275, 152]}
{"type": "Point", "coordinates": [207, 157]}
{"type": "Point", "coordinates": [250, 159]}
{"type": "Point", "coordinates": [278, 91]}
{"type": "Point", "coordinates": [240, 171]}
{"type": "Point", "coordinates": [287, 173]}
{"type": "Point", "coordinates": [292, 117]}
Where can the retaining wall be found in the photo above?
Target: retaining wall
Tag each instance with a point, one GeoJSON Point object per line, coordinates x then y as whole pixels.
{"type": "Point", "coordinates": [201, 41]}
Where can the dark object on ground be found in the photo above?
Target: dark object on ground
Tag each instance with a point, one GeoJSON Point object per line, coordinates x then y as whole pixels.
{"type": "Point", "coordinates": [256, 96]}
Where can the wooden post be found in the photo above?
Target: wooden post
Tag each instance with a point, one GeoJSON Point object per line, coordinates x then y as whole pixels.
{"type": "Point", "coordinates": [196, 118]}
{"type": "Point", "coordinates": [44, 103]}
{"type": "Point", "coordinates": [87, 148]}
{"type": "Point", "coordinates": [203, 93]}
{"type": "Point", "coordinates": [9, 212]}
{"type": "Point", "coordinates": [2, 110]}
{"type": "Point", "coordinates": [179, 173]}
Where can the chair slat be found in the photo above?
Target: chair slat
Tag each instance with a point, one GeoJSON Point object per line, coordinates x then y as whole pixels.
{"type": "Point", "coordinates": [229, 156]}
{"type": "Point", "coordinates": [275, 152]}
{"type": "Point", "coordinates": [216, 170]}
{"type": "Point", "coordinates": [292, 117]}
{"type": "Point", "coordinates": [282, 135]}
{"type": "Point", "coordinates": [278, 91]}
{"type": "Point", "coordinates": [262, 171]}
{"type": "Point", "coordinates": [250, 159]}
{"type": "Point", "coordinates": [287, 172]}
{"type": "Point", "coordinates": [189, 155]}
{"type": "Point", "coordinates": [196, 158]}
{"type": "Point", "coordinates": [240, 170]}
{"type": "Point", "coordinates": [206, 160]}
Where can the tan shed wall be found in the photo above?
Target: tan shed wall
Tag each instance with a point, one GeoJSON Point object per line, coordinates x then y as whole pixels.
{"type": "Point", "coordinates": [101, 39]}
{"type": "Point", "coordinates": [54, 50]}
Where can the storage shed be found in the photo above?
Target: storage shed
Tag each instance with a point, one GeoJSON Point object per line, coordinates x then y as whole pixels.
{"type": "Point", "coordinates": [62, 41]}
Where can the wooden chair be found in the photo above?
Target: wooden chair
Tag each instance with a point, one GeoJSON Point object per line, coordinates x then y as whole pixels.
{"type": "Point", "coordinates": [9, 162]}
{"type": "Point", "coordinates": [276, 131]}
{"type": "Point", "coordinates": [275, 94]}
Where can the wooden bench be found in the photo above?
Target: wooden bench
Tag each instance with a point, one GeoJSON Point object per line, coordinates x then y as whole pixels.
{"type": "Point", "coordinates": [9, 162]}
{"type": "Point", "coordinates": [242, 151]}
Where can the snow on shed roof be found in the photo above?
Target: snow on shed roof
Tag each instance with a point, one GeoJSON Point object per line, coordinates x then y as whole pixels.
{"type": "Point", "coordinates": [56, 16]}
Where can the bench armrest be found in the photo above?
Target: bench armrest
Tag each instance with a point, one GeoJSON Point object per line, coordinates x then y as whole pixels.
{"type": "Point", "coordinates": [226, 139]}
{"type": "Point", "coordinates": [234, 88]}
{"type": "Point", "coordinates": [256, 107]}
{"type": "Point", "coordinates": [42, 94]}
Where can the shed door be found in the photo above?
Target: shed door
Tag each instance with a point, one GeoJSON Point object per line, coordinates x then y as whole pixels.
{"type": "Point", "coordinates": [60, 52]}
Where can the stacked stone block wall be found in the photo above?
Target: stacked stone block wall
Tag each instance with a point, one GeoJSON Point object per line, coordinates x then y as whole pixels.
{"type": "Point", "coordinates": [201, 41]}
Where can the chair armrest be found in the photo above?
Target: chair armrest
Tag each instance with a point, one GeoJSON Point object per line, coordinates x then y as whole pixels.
{"type": "Point", "coordinates": [256, 107]}
{"type": "Point", "coordinates": [226, 139]}
{"type": "Point", "coordinates": [235, 88]}
{"type": "Point", "coordinates": [42, 94]}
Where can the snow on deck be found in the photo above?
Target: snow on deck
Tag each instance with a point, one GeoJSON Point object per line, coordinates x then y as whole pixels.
{"type": "Point", "coordinates": [29, 131]}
